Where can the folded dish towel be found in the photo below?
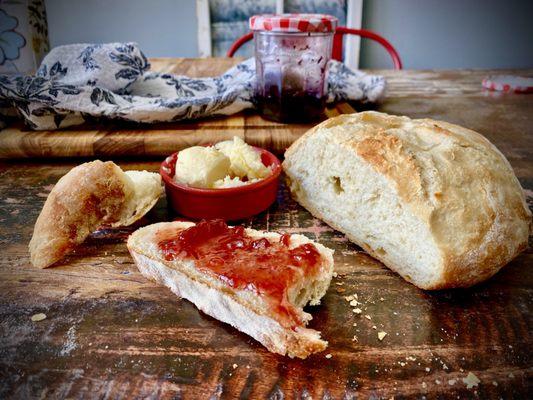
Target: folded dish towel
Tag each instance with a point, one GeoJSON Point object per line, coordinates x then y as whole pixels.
{"type": "Point", "coordinates": [82, 82]}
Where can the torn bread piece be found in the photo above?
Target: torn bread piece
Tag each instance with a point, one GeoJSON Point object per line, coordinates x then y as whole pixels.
{"type": "Point", "coordinates": [89, 196]}
{"type": "Point", "coordinates": [258, 282]}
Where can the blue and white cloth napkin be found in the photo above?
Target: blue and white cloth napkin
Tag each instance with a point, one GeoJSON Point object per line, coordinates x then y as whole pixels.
{"type": "Point", "coordinates": [82, 82]}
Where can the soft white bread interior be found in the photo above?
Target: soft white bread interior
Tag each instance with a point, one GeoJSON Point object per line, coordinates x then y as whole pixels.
{"type": "Point", "coordinates": [146, 191]}
{"type": "Point", "coordinates": [89, 196]}
{"type": "Point", "coordinates": [435, 202]}
{"type": "Point", "coordinates": [243, 309]}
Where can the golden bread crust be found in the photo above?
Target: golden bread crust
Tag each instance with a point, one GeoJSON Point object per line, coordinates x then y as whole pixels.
{"type": "Point", "coordinates": [452, 178]}
{"type": "Point", "coordinates": [88, 196]}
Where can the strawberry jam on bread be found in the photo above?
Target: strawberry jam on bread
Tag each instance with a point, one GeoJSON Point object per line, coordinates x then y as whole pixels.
{"type": "Point", "coordinates": [256, 281]}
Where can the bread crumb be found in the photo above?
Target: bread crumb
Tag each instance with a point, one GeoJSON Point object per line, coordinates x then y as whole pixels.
{"type": "Point", "coordinates": [452, 382]}
{"type": "Point", "coordinates": [381, 299]}
{"type": "Point", "coordinates": [428, 369]}
{"type": "Point", "coordinates": [381, 335]}
{"type": "Point", "coordinates": [335, 274]}
{"type": "Point", "coordinates": [339, 283]}
{"type": "Point", "coordinates": [38, 317]}
{"type": "Point", "coordinates": [374, 327]}
{"type": "Point", "coordinates": [235, 366]}
{"type": "Point", "coordinates": [471, 380]}
{"type": "Point", "coordinates": [495, 383]}
{"type": "Point", "coordinates": [354, 339]}
{"type": "Point", "coordinates": [348, 298]}
{"type": "Point", "coordinates": [437, 382]}
{"type": "Point", "coordinates": [368, 316]}
{"type": "Point", "coordinates": [353, 303]}
{"type": "Point", "coordinates": [355, 324]}
{"type": "Point", "coordinates": [357, 310]}
{"type": "Point", "coordinates": [424, 385]}
{"type": "Point", "coordinates": [328, 356]}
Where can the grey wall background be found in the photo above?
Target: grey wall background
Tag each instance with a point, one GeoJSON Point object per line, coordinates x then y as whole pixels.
{"type": "Point", "coordinates": [426, 33]}
{"type": "Point", "coordinates": [163, 28]}
{"type": "Point", "coordinates": [451, 33]}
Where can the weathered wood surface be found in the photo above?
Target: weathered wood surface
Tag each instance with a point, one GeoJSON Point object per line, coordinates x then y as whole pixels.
{"type": "Point", "coordinates": [454, 96]}
{"type": "Point", "coordinates": [110, 333]}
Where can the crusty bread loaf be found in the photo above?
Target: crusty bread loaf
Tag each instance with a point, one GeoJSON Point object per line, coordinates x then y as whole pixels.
{"type": "Point", "coordinates": [243, 309]}
{"type": "Point", "coordinates": [90, 195]}
{"type": "Point", "coordinates": [435, 202]}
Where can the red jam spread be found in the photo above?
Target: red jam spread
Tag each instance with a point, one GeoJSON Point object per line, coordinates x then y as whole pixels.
{"type": "Point", "coordinates": [265, 267]}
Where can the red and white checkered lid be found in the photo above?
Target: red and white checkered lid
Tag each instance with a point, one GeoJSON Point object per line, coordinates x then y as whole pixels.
{"type": "Point", "coordinates": [293, 23]}
{"type": "Point", "coordinates": [508, 83]}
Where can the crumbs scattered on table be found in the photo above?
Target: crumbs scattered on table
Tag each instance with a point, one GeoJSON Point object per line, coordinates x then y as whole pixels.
{"type": "Point", "coordinates": [328, 356]}
{"type": "Point", "coordinates": [381, 335]}
{"type": "Point", "coordinates": [70, 344]}
{"type": "Point", "coordinates": [10, 200]}
{"type": "Point", "coordinates": [234, 366]}
{"type": "Point", "coordinates": [471, 380]}
{"type": "Point", "coordinates": [38, 317]}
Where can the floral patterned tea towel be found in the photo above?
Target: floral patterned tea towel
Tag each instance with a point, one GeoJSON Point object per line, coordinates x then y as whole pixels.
{"type": "Point", "coordinates": [86, 81]}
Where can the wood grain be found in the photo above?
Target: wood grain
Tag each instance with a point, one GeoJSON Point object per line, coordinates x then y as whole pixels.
{"type": "Point", "coordinates": [111, 334]}
{"type": "Point", "coordinates": [409, 93]}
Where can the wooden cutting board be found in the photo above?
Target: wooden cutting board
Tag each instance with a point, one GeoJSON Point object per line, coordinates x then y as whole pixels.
{"type": "Point", "coordinates": [121, 140]}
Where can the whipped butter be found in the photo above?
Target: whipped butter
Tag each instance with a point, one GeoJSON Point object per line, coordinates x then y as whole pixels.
{"type": "Point", "coordinates": [227, 164]}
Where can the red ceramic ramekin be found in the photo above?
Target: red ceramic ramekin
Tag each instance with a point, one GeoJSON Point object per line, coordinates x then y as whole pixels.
{"type": "Point", "coordinates": [228, 203]}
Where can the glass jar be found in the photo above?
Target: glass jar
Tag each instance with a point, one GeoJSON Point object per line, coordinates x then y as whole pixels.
{"type": "Point", "coordinates": [291, 55]}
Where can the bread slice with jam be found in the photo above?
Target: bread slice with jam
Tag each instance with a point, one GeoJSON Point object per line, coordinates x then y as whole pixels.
{"type": "Point", "coordinates": [258, 282]}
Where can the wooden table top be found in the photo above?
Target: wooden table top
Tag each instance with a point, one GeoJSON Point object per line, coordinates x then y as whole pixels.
{"type": "Point", "coordinates": [110, 333]}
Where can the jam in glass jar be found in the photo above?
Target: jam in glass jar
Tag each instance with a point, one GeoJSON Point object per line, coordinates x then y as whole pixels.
{"type": "Point", "coordinates": [291, 55]}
